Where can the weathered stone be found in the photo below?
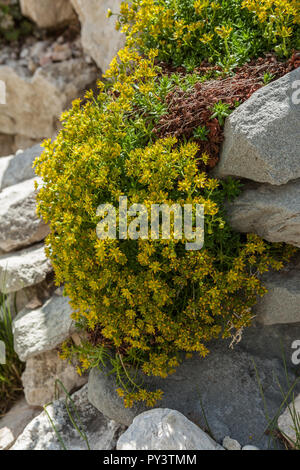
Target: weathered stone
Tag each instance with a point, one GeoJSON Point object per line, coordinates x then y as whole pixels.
{"type": "Point", "coordinates": [287, 422]}
{"type": "Point", "coordinates": [48, 13]}
{"type": "Point", "coordinates": [47, 94]}
{"type": "Point", "coordinates": [231, 444]}
{"type": "Point", "coordinates": [271, 212]}
{"type": "Point", "coordinates": [101, 433]}
{"type": "Point", "coordinates": [221, 385]}
{"type": "Point", "coordinates": [41, 374]}
{"type": "Point", "coordinates": [164, 429]}
{"type": "Point", "coordinates": [24, 268]}
{"type": "Point", "coordinates": [15, 421]}
{"type": "Point", "coordinates": [282, 302]}
{"type": "Point", "coordinates": [262, 136]}
{"type": "Point", "coordinates": [99, 37]}
{"type": "Point", "coordinates": [43, 329]}
{"type": "Point", "coordinates": [18, 168]}
{"type": "Point", "coordinates": [25, 298]}
{"type": "Point", "coordinates": [4, 164]}
{"type": "Point", "coordinates": [249, 447]}
{"type": "Point", "coordinates": [19, 223]}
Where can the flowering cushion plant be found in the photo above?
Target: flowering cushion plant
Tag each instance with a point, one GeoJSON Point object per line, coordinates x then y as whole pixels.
{"type": "Point", "coordinates": [145, 304]}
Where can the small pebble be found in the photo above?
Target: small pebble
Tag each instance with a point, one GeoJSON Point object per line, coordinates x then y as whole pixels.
{"type": "Point", "coordinates": [231, 444]}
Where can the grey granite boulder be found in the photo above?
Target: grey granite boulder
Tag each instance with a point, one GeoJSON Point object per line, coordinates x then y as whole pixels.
{"type": "Point", "coordinates": [43, 329]}
{"type": "Point", "coordinates": [271, 212]}
{"type": "Point", "coordinates": [24, 268]}
{"type": "Point", "coordinates": [262, 140]}
{"type": "Point", "coordinates": [19, 223]}
{"type": "Point", "coordinates": [101, 433]}
{"type": "Point", "coordinates": [18, 168]}
{"type": "Point", "coordinates": [282, 302]}
{"type": "Point", "coordinates": [4, 164]}
{"type": "Point", "coordinates": [163, 429]}
{"type": "Point", "coordinates": [224, 386]}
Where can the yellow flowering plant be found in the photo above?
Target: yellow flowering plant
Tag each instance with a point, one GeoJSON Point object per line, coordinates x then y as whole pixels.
{"type": "Point", "coordinates": [226, 32]}
{"type": "Point", "coordinates": [144, 304]}
{"type": "Point", "coordinates": [278, 20]}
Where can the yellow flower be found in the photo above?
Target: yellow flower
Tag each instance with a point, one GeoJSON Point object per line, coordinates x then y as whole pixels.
{"type": "Point", "coordinates": [224, 31]}
{"type": "Point", "coordinates": [206, 38]}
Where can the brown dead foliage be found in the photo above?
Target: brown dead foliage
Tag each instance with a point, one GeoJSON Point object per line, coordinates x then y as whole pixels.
{"type": "Point", "coordinates": [189, 110]}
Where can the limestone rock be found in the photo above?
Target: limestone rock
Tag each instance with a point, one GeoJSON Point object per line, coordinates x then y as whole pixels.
{"type": "Point", "coordinates": [24, 268]}
{"type": "Point", "coordinates": [164, 429]}
{"type": "Point", "coordinates": [101, 433]}
{"type": "Point", "coordinates": [99, 37]}
{"type": "Point", "coordinates": [15, 421]}
{"type": "Point", "coordinates": [287, 422]}
{"type": "Point", "coordinates": [4, 164]}
{"type": "Point", "coordinates": [18, 168]}
{"type": "Point", "coordinates": [271, 212]}
{"type": "Point", "coordinates": [48, 13]}
{"type": "Point", "coordinates": [47, 93]}
{"type": "Point", "coordinates": [43, 329]}
{"type": "Point", "coordinates": [19, 223]}
{"type": "Point", "coordinates": [42, 372]}
{"type": "Point", "coordinates": [262, 136]}
{"type": "Point", "coordinates": [220, 385]}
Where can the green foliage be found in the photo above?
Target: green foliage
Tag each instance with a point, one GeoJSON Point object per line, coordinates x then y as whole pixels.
{"type": "Point", "coordinates": [12, 24]}
{"type": "Point", "coordinates": [268, 78]}
{"type": "Point", "coordinates": [201, 133]}
{"type": "Point", "coordinates": [221, 111]}
{"type": "Point", "coordinates": [10, 373]}
{"type": "Point", "coordinates": [225, 32]}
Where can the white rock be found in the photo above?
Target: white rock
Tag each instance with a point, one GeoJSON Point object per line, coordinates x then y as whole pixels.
{"type": "Point", "coordinates": [101, 433]}
{"type": "Point", "coordinates": [43, 329]}
{"type": "Point", "coordinates": [164, 429]}
{"type": "Point", "coordinates": [41, 374]}
{"type": "Point", "coordinates": [19, 223]}
{"type": "Point", "coordinates": [99, 37]}
{"type": "Point", "coordinates": [18, 168]}
{"type": "Point", "coordinates": [6, 438]}
{"type": "Point", "coordinates": [287, 421]}
{"type": "Point", "coordinates": [262, 136]}
{"type": "Point", "coordinates": [15, 421]}
{"type": "Point", "coordinates": [24, 268]}
{"type": "Point", "coordinates": [231, 444]}
{"type": "Point", "coordinates": [48, 13]}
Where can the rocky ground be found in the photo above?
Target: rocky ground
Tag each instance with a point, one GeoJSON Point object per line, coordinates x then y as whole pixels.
{"type": "Point", "coordinates": [43, 75]}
